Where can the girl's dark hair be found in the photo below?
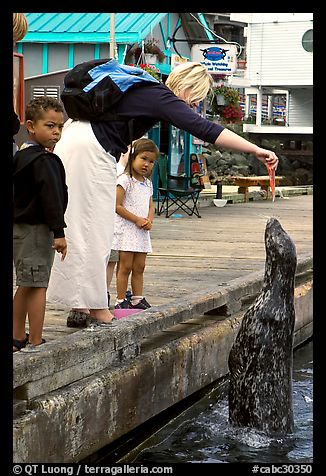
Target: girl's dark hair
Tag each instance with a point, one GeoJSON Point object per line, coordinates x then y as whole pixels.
{"type": "Point", "coordinates": [138, 146]}
{"type": "Point", "coordinates": [36, 107]}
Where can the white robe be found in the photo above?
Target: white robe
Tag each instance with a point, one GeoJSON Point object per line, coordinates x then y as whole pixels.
{"type": "Point", "coordinates": [80, 280]}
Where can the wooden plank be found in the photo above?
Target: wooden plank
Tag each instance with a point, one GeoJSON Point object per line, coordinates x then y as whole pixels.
{"type": "Point", "coordinates": [263, 180]}
{"type": "Point", "coordinates": [255, 181]}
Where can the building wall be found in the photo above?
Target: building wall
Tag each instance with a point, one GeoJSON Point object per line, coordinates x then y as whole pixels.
{"type": "Point", "coordinates": [33, 59]}
{"type": "Point", "coordinates": [300, 109]}
{"type": "Point", "coordinates": [83, 52]}
{"type": "Point", "coordinates": [105, 50]}
{"type": "Point", "coordinates": [58, 56]}
{"type": "Point", "coordinates": [276, 55]}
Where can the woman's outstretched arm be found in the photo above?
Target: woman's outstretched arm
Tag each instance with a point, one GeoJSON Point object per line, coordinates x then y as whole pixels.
{"type": "Point", "coordinates": [229, 140]}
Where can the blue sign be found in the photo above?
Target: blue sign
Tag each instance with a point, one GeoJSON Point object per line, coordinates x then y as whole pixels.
{"type": "Point", "coordinates": [214, 53]}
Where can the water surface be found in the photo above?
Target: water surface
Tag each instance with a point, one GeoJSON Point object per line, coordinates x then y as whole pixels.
{"type": "Point", "coordinates": [203, 434]}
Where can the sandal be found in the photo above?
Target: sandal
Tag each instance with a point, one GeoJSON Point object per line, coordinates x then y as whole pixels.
{"type": "Point", "coordinates": [20, 344]}
{"type": "Point", "coordinates": [92, 322]}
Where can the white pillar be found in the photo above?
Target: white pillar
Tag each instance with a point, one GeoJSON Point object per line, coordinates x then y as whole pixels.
{"type": "Point", "coordinates": [270, 101]}
{"type": "Point", "coordinates": [247, 105]}
{"type": "Point", "coordinates": [259, 106]}
{"type": "Point", "coordinates": [287, 104]}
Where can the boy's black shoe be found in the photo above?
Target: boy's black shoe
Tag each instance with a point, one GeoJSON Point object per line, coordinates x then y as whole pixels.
{"type": "Point", "coordinates": [123, 305]}
{"type": "Point", "coordinates": [143, 304]}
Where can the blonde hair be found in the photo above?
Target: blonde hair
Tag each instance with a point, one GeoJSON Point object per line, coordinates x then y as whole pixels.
{"type": "Point", "coordinates": [192, 76]}
{"type": "Point", "coordinates": [20, 26]}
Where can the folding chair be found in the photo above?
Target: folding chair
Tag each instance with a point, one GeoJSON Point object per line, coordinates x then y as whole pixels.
{"type": "Point", "coordinates": [174, 192]}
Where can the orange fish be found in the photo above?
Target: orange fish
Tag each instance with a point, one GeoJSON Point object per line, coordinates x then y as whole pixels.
{"type": "Point", "coordinates": [271, 173]}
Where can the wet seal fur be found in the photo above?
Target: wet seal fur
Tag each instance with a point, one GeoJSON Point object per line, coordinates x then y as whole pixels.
{"type": "Point", "coordinates": [261, 358]}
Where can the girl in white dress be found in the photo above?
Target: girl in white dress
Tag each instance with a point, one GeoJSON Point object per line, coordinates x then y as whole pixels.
{"type": "Point", "coordinates": [134, 218]}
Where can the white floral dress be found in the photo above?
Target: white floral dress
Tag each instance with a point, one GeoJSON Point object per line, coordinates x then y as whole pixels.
{"type": "Point", "coordinates": [127, 235]}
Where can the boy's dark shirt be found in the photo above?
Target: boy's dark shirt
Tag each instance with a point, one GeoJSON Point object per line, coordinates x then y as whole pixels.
{"type": "Point", "coordinates": [147, 105]}
{"type": "Point", "coordinates": [40, 190]}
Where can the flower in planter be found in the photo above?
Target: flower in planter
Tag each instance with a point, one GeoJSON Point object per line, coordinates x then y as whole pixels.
{"type": "Point", "coordinates": [149, 68]}
{"type": "Point", "coordinates": [232, 113]}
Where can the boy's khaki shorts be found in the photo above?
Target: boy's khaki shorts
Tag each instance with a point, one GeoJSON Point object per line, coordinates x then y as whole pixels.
{"type": "Point", "coordinates": [114, 256]}
{"type": "Point", "coordinates": [33, 254]}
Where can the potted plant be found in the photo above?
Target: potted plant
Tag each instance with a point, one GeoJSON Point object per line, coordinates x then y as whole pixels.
{"type": "Point", "coordinates": [153, 53]}
{"type": "Point", "coordinates": [225, 102]}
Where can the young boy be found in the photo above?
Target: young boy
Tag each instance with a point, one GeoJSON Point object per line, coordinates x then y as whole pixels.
{"type": "Point", "coordinates": [40, 201]}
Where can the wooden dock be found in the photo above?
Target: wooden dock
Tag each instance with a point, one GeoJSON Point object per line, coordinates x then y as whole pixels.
{"type": "Point", "coordinates": [193, 254]}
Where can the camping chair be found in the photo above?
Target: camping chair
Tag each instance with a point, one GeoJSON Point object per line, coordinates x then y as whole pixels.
{"type": "Point", "coordinates": [175, 192]}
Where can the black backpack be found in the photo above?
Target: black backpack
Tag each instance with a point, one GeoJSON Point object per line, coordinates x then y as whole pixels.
{"type": "Point", "coordinates": [93, 88]}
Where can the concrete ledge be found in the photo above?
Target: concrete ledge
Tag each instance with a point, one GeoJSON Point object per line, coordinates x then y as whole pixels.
{"type": "Point", "coordinates": [97, 410]}
{"type": "Point", "coordinates": [88, 414]}
{"type": "Point", "coordinates": [303, 304]}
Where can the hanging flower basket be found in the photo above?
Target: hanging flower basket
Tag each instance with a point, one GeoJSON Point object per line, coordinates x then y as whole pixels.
{"type": "Point", "coordinates": [225, 103]}
{"type": "Point", "coordinates": [150, 48]}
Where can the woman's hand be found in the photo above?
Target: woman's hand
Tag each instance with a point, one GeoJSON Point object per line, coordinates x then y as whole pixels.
{"type": "Point", "coordinates": [267, 157]}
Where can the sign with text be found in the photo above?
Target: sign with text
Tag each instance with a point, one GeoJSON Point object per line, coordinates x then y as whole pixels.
{"type": "Point", "coordinates": [218, 59]}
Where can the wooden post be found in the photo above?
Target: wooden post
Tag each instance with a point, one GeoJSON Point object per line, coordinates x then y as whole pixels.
{"type": "Point", "coordinates": [245, 191]}
{"type": "Point", "coordinates": [112, 35]}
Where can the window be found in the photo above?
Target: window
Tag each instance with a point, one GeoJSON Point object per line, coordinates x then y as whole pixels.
{"type": "Point", "coordinates": [307, 41]}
